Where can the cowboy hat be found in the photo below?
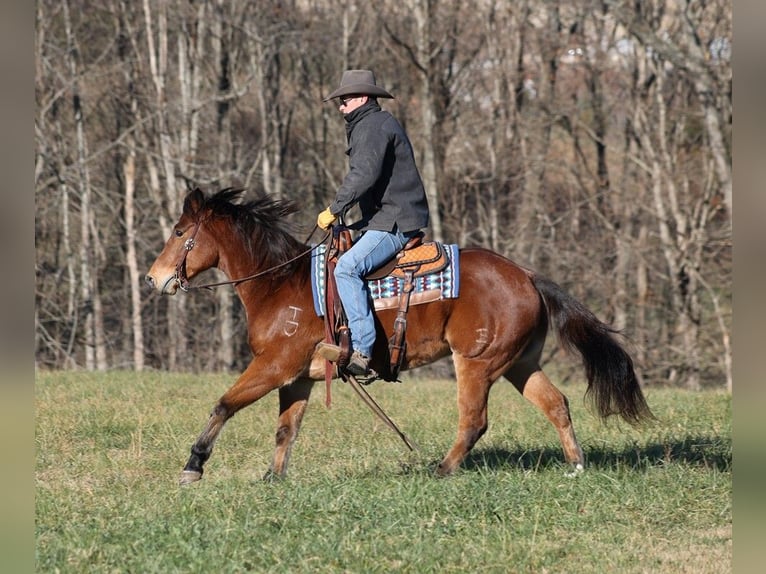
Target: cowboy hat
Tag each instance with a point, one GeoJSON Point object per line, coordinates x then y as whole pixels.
{"type": "Point", "coordinates": [360, 82]}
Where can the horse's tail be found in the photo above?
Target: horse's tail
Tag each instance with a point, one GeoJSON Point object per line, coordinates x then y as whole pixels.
{"type": "Point", "coordinates": [612, 384]}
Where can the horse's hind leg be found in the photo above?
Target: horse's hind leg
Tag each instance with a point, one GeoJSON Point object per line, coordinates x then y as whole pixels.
{"type": "Point", "coordinates": [535, 386]}
{"type": "Point", "coordinates": [293, 399]}
{"type": "Point", "coordinates": [473, 384]}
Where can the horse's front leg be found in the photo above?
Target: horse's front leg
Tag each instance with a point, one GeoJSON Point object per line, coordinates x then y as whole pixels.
{"type": "Point", "coordinates": [251, 385]}
{"type": "Point", "coordinates": [293, 399]}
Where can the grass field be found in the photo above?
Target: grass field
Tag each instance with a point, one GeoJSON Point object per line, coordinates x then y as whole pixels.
{"type": "Point", "coordinates": [110, 448]}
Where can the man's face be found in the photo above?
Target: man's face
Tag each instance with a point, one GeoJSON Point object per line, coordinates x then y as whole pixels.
{"type": "Point", "coordinates": [348, 104]}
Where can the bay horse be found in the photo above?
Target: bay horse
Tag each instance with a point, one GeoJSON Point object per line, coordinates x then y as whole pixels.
{"type": "Point", "coordinates": [495, 328]}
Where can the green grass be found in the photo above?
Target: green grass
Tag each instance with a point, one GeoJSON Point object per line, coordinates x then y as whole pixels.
{"type": "Point", "coordinates": [110, 448]}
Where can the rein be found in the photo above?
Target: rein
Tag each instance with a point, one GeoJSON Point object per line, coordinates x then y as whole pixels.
{"type": "Point", "coordinates": [190, 243]}
{"type": "Point", "coordinates": [375, 407]}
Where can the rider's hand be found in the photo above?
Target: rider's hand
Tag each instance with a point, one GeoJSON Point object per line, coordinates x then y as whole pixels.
{"type": "Point", "coordinates": [325, 219]}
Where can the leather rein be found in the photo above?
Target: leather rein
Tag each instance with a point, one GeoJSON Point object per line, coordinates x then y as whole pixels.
{"type": "Point", "coordinates": [189, 244]}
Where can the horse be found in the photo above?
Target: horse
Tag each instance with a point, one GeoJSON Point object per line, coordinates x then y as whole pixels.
{"type": "Point", "coordinates": [495, 328]}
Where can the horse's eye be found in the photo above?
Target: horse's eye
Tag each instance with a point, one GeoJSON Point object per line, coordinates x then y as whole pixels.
{"type": "Point", "coordinates": [179, 232]}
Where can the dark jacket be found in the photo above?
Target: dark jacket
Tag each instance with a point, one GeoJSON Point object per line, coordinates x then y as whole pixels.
{"type": "Point", "coordinates": [382, 174]}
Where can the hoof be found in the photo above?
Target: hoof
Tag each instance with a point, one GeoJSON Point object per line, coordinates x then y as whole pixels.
{"type": "Point", "coordinates": [272, 476]}
{"type": "Point", "coordinates": [189, 476]}
{"type": "Point", "coordinates": [577, 470]}
{"type": "Point", "coordinates": [442, 471]}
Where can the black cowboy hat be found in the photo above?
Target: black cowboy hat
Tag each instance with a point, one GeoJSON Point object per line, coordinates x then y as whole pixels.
{"type": "Point", "coordinates": [360, 82]}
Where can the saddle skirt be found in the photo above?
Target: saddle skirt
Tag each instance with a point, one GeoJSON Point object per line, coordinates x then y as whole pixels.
{"type": "Point", "coordinates": [438, 276]}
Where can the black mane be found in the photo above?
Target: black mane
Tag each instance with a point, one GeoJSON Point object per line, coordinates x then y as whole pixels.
{"type": "Point", "coordinates": [262, 223]}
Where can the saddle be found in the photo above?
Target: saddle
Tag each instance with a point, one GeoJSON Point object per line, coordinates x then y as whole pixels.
{"type": "Point", "coordinates": [418, 256]}
{"type": "Point", "coordinates": [416, 259]}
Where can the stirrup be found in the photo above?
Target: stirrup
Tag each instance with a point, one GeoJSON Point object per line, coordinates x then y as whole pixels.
{"type": "Point", "coordinates": [328, 351]}
{"type": "Point", "coordinates": [365, 380]}
{"type": "Point", "coordinates": [358, 365]}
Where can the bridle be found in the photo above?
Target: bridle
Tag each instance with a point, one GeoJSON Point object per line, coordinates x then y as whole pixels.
{"type": "Point", "coordinates": [180, 276]}
{"type": "Point", "coordinates": [183, 280]}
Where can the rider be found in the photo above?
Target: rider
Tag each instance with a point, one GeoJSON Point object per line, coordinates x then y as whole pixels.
{"type": "Point", "coordinates": [384, 180]}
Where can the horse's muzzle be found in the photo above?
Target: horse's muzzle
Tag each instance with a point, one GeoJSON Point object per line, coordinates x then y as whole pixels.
{"type": "Point", "coordinates": [169, 287]}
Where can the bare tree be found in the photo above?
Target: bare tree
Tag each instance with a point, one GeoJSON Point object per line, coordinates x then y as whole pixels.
{"type": "Point", "coordinates": [129, 175]}
{"type": "Point", "coordinates": [222, 39]}
{"type": "Point", "coordinates": [267, 36]}
{"type": "Point", "coordinates": [165, 187]}
{"type": "Point", "coordinates": [95, 353]}
{"type": "Point", "coordinates": [685, 182]}
{"type": "Point", "coordinates": [441, 53]}
{"type": "Point", "coordinates": [685, 23]}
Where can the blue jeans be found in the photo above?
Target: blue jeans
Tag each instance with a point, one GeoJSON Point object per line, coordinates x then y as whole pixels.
{"type": "Point", "coordinates": [370, 251]}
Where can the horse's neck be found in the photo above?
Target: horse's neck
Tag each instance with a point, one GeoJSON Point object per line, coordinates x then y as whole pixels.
{"type": "Point", "coordinates": [258, 275]}
{"type": "Point", "coordinates": [233, 268]}
{"type": "Point", "coordinates": [233, 262]}
{"type": "Point", "coordinates": [264, 297]}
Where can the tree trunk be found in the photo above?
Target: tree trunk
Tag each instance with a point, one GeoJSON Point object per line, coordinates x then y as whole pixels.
{"type": "Point", "coordinates": [225, 352]}
{"type": "Point", "coordinates": [129, 175]}
{"type": "Point", "coordinates": [134, 276]}
{"type": "Point", "coordinates": [72, 313]}
{"type": "Point", "coordinates": [191, 58]}
{"type": "Point", "coordinates": [158, 62]}
{"type": "Point", "coordinates": [86, 261]}
{"type": "Point", "coordinates": [534, 134]}
{"type": "Point", "coordinates": [422, 13]}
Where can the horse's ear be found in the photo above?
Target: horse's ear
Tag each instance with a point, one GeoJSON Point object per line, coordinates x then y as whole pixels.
{"type": "Point", "coordinates": [193, 202]}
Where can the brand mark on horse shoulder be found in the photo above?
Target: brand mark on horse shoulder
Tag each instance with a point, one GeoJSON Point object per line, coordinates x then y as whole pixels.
{"type": "Point", "coordinates": [291, 325]}
{"type": "Point", "coordinates": [482, 335]}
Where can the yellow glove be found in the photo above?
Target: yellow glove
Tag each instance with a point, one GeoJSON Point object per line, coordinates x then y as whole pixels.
{"type": "Point", "coordinates": [325, 219]}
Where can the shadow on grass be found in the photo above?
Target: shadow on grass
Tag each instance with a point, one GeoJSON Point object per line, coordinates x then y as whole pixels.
{"type": "Point", "coordinates": [704, 451]}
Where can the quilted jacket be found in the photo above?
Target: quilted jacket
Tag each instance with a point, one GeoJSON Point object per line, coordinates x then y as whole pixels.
{"type": "Point", "coordinates": [382, 176]}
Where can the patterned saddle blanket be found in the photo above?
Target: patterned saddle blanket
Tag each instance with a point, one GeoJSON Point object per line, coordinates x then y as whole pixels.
{"type": "Point", "coordinates": [440, 284]}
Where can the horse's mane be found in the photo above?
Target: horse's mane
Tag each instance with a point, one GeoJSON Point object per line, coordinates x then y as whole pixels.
{"type": "Point", "coordinates": [261, 222]}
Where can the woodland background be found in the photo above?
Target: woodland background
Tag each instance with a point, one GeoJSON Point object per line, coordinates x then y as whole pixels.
{"type": "Point", "coordinates": [588, 139]}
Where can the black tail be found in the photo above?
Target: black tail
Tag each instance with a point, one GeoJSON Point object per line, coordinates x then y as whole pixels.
{"type": "Point", "coordinates": [612, 383]}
